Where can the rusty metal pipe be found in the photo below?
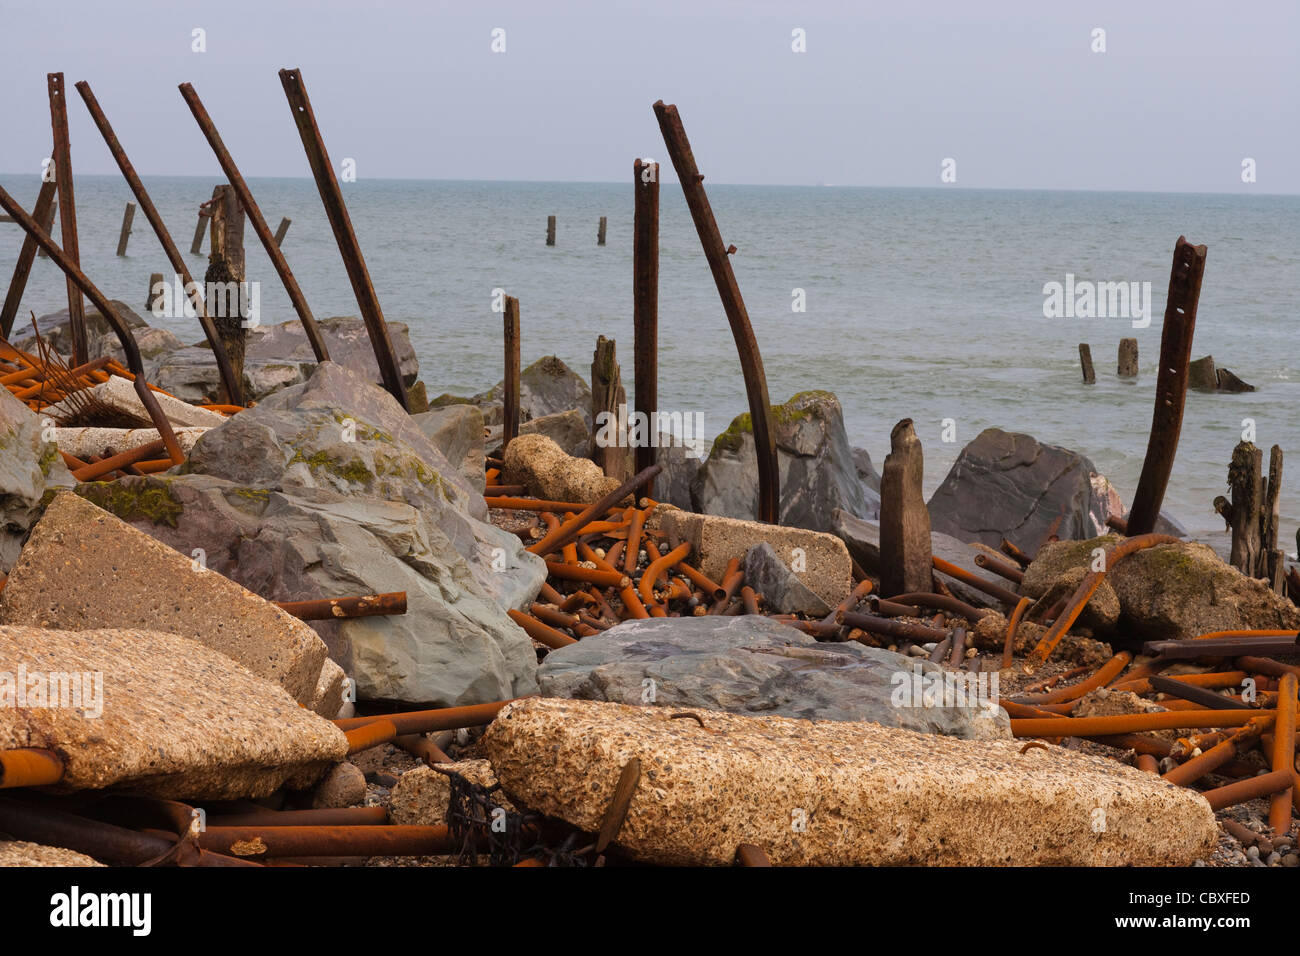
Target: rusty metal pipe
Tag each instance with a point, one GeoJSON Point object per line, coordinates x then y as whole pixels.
{"type": "Point", "coordinates": [1279, 811]}
{"type": "Point", "coordinates": [1011, 598]}
{"type": "Point", "coordinates": [1252, 788]}
{"type": "Point", "coordinates": [1187, 773]}
{"type": "Point", "coordinates": [1131, 723]}
{"type": "Point", "coordinates": [570, 529]}
{"type": "Point", "coordinates": [989, 563]}
{"type": "Point", "coordinates": [326, 609]}
{"type": "Point", "coordinates": [29, 767]}
{"type": "Point", "coordinates": [67, 213]}
{"type": "Point", "coordinates": [540, 632]}
{"type": "Point", "coordinates": [429, 721]}
{"type": "Point", "coordinates": [389, 840]}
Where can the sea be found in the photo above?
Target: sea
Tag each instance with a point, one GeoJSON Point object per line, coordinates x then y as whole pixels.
{"type": "Point", "coordinates": [930, 304]}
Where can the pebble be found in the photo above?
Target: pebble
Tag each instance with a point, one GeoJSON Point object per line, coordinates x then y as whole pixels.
{"type": "Point", "coordinates": [1253, 852]}
{"type": "Point", "coordinates": [1291, 859]}
{"type": "Point", "coordinates": [917, 650]}
{"type": "Point", "coordinates": [1274, 858]}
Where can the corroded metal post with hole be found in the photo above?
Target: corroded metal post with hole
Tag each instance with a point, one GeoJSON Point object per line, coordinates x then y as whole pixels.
{"type": "Point", "coordinates": [510, 387]}
{"type": "Point", "coordinates": [271, 243]}
{"type": "Point", "coordinates": [645, 302]}
{"type": "Point", "coordinates": [67, 213]}
{"type": "Point", "coordinates": [42, 214]}
{"type": "Point", "coordinates": [751, 362]}
{"type": "Point", "coordinates": [332, 198]}
{"type": "Point", "coordinates": [1171, 385]}
{"type": "Point", "coordinates": [232, 384]}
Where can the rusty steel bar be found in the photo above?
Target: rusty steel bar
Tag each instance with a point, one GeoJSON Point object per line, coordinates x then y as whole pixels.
{"type": "Point", "coordinates": [370, 735]}
{"type": "Point", "coordinates": [428, 721]}
{"type": "Point", "coordinates": [1187, 773]}
{"type": "Point", "coordinates": [542, 633]}
{"type": "Point", "coordinates": [570, 529]}
{"type": "Point", "coordinates": [1252, 788]}
{"type": "Point", "coordinates": [1171, 385]}
{"type": "Point", "coordinates": [421, 746]}
{"type": "Point", "coordinates": [108, 465]}
{"type": "Point", "coordinates": [258, 222]}
{"type": "Point", "coordinates": [1132, 723]}
{"type": "Point", "coordinates": [573, 572]}
{"type": "Point", "coordinates": [719, 258]}
{"type": "Point", "coordinates": [41, 212]}
{"type": "Point", "coordinates": [1187, 691]}
{"type": "Point", "coordinates": [510, 380]}
{"type": "Point", "coordinates": [1267, 667]}
{"type": "Point", "coordinates": [659, 566]}
{"type": "Point", "coordinates": [1099, 678]}
{"type": "Point", "coordinates": [533, 504]}
{"type": "Point", "coordinates": [29, 767]}
{"type": "Point", "coordinates": [1279, 810]}
{"type": "Point", "coordinates": [1223, 647]}
{"type": "Point", "coordinates": [346, 816]}
{"type": "Point", "coordinates": [974, 580]}
{"type": "Point", "coordinates": [645, 300]}
{"type": "Point", "coordinates": [123, 333]}
{"type": "Point", "coordinates": [1084, 592]}
{"type": "Point", "coordinates": [890, 627]}
{"type": "Point", "coordinates": [637, 525]}
{"type": "Point", "coordinates": [332, 198]}
{"type": "Point", "coordinates": [989, 563]}
{"type": "Point", "coordinates": [325, 609]}
{"type": "Point", "coordinates": [273, 841]}
{"type": "Point", "coordinates": [1013, 625]}
{"type": "Point", "coordinates": [67, 213]}
{"type": "Point", "coordinates": [938, 601]}
{"type": "Point", "coordinates": [1015, 554]}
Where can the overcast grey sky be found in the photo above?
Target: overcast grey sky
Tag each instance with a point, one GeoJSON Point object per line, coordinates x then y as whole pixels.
{"type": "Point", "coordinates": [885, 92]}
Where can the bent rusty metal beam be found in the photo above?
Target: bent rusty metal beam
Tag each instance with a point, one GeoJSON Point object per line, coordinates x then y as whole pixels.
{"type": "Point", "coordinates": [41, 212]}
{"type": "Point", "coordinates": [233, 385]}
{"type": "Point", "coordinates": [718, 255]}
{"type": "Point", "coordinates": [1171, 385]}
{"type": "Point", "coordinates": [29, 767]}
{"type": "Point", "coordinates": [124, 335]}
{"type": "Point", "coordinates": [269, 242]}
{"type": "Point", "coordinates": [67, 212]}
{"type": "Point", "coordinates": [332, 198]}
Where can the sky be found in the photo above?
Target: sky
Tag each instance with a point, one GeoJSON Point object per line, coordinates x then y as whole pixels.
{"type": "Point", "coordinates": [1012, 92]}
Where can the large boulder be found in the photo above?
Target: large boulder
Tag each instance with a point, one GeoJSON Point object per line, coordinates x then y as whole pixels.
{"type": "Point", "coordinates": [1007, 485]}
{"type": "Point", "coordinates": [567, 429]}
{"type": "Point", "coordinates": [30, 467]}
{"type": "Point", "coordinates": [814, 460]}
{"type": "Point", "coordinates": [780, 587]}
{"type": "Point", "coordinates": [837, 792]}
{"type": "Point", "coordinates": [56, 331]}
{"type": "Point", "coordinates": [457, 432]}
{"type": "Point", "coordinates": [546, 387]}
{"type": "Point", "coordinates": [1169, 592]}
{"type": "Point", "coordinates": [754, 665]}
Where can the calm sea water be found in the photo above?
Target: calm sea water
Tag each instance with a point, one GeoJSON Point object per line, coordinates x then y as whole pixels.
{"type": "Point", "coordinates": [921, 303]}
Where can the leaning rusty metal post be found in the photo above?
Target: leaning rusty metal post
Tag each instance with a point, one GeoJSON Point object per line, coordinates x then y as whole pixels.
{"type": "Point", "coordinates": [67, 213]}
{"type": "Point", "coordinates": [645, 303]}
{"type": "Point", "coordinates": [271, 243]}
{"type": "Point", "coordinates": [232, 383]}
{"type": "Point", "coordinates": [22, 269]}
{"type": "Point", "coordinates": [1171, 385]}
{"type": "Point", "coordinates": [341, 223]}
{"type": "Point", "coordinates": [751, 362]}
{"type": "Point", "coordinates": [129, 346]}
{"type": "Point", "coordinates": [510, 384]}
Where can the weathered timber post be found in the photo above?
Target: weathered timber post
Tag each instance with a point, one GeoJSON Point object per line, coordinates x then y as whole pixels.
{"type": "Point", "coordinates": [67, 214]}
{"type": "Point", "coordinates": [1243, 510]}
{"type": "Point", "coordinates": [1272, 567]}
{"type": "Point", "coordinates": [600, 232]}
{"type": "Point", "coordinates": [645, 301]}
{"type": "Point", "coordinates": [1085, 359]}
{"type": "Point", "coordinates": [1128, 358]}
{"type": "Point", "coordinates": [155, 279]}
{"type": "Point", "coordinates": [127, 217]}
{"type": "Point", "coordinates": [550, 230]}
{"type": "Point", "coordinates": [43, 213]}
{"type": "Point", "coordinates": [225, 275]}
{"type": "Point", "coordinates": [282, 230]}
{"type": "Point", "coordinates": [510, 390]}
{"type": "Point", "coordinates": [719, 257]}
{"type": "Point", "coordinates": [610, 447]}
{"type": "Point", "coordinates": [905, 559]}
{"type": "Point", "coordinates": [1171, 385]}
{"type": "Point", "coordinates": [196, 247]}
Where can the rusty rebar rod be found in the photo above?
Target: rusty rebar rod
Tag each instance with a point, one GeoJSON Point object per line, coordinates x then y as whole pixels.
{"type": "Point", "coordinates": [645, 301]}
{"type": "Point", "coordinates": [123, 333]}
{"type": "Point", "coordinates": [337, 211]}
{"type": "Point", "coordinates": [1000, 568]}
{"type": "Point", "coordinates": [1131, 723]}
{"type": "Point", "coordinates": [41, 212]}
{"type": "Point", "coordinates": [343, 816]}
{"type": "Point", "coordinates": [572, 528]}
{"type": "Point", "coordinates": [1171, 385]}
{"type": "Point", "coordinates": [232, 384]}
{"type": "Point", "coordinates": [428, 721]}
{"type": "Point", "coordinates": [269, 241]}
{"type": "Point", "coordinates": [29, 767]}
{"type": "Point", "coordinates": [1252, 788]}
{"type": "Point", "coordinates": [325, 609]}
{"type": "Point", "coordinates": [67, 213]}
{"type": "Point", "coordinates": [890, 627]}
{"type": "Point", "coordinates": [719, 258]}
{"type": "Point", "coordinates": [1011, 598]}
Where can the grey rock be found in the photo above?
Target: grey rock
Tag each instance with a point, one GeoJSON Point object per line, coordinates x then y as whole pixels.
{"type": "Point", "coordinates": [1228, 382]}
{"type": "Point", "coordinates": [1009, 485]}
{"type": "Point", "coordinates": [782, 590]}
{"type": "Point", "coordinates": [56, 331]}
{"type": "Point", "coordinates": [546, 387]}
{"type": "Point", "coordinates": [1201, 374]}
{"type": "Point", "coordinates": [757, 667]}
{"type": "Point", "coordinates": [680, 466]}
{"type": "Point", "coordinates": [567, 429]}
{"type": "Point", "coordinates": [815, 462]}
{"type": "Point", "coordinates": [457, 432]}
{"type": "Point", "coordinates": [867, 473]}
{"type": "Point", "coordinates": [343, 786]}
{"type": "Point", "coordinates": [30, 467]}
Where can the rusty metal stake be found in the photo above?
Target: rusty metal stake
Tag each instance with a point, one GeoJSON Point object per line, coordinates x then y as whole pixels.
{"type": "Point", "coordinates": [270, 243]}
{"type": "Point", "coordinates": [1171, 385]}
{"type": "Point", "coordinates": [718, 255]}
{"type": "Point", "coordinates": [510, 381]}
{"type": "Point", "coordinates": [645, 301]}
{"type": "Point", "coordinates": [332, 198]}
{"type": "Point", "coordinates": [67, 213]}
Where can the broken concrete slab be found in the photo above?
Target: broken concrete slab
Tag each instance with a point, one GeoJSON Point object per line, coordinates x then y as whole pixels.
{"type": "Point", "coordinates": [837, 793]}
{"type": "Point", "coordinates": [84, 568]}
{"type": "Point", "coordinates": [119, 393]}
{"type": "Point", "coordinates": [421, 795]}
{"type": "Point", "coordinates": [547, 471]}
{"type": "Point", "coordinates": [84, 442]}
{"type": "Point", "coordinates": [781, 588]}
{"type": "Point", "coordinates": [160, 714]}
{"type": "Point", "coordinates": [819, 560]}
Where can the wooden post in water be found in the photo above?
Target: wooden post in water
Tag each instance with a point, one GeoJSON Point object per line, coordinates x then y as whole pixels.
{"type": "Point", "coordinates": [510, 391]}
{"type": "Point", "coordinates": [1128, 358]}
{"type": "Point", "coordinates": [1171, 385]}
{"type": "Point", "coordinates": [196, 247]}
{"type": "Point", "coordinates": [43, 213]}
{"type": "Point", "coordinates": [609, 446]}
{"type": "Point", "coordinates": [1243, 510]}
{"type": "Point", "coordinates": [550, 230]}
{"type": "Point", "coordinates": [225, 275]}
{"type": "Point", "coordinates": [1085, 359]}
{"type": "Point", "coordinates": [282, 230]}
{"type": "Point", "coordinates": [719, 258]}
{"type": "Point", "coordinates": [600, 232]}
{"type": "Point", "coordinates": [155, 279]}
{"type": "Point", "coordinates": [905, 558]}
{"type": "Point", "coordinates": [67, 215]}
{"type": "Point", "coordinates": [127, 216]}
{"type": "Point", "coordinates": [645, 302]}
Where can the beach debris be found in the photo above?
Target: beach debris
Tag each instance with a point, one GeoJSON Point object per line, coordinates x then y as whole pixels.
{"type": "Point", "coordinates": [905, 559]}
{"type": "Point", "coordinates": [1127, 366]}
{"type": "Point", "coordinates": [545, 471]}
{"type": "Point", "coordinates": [1085, 361]}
